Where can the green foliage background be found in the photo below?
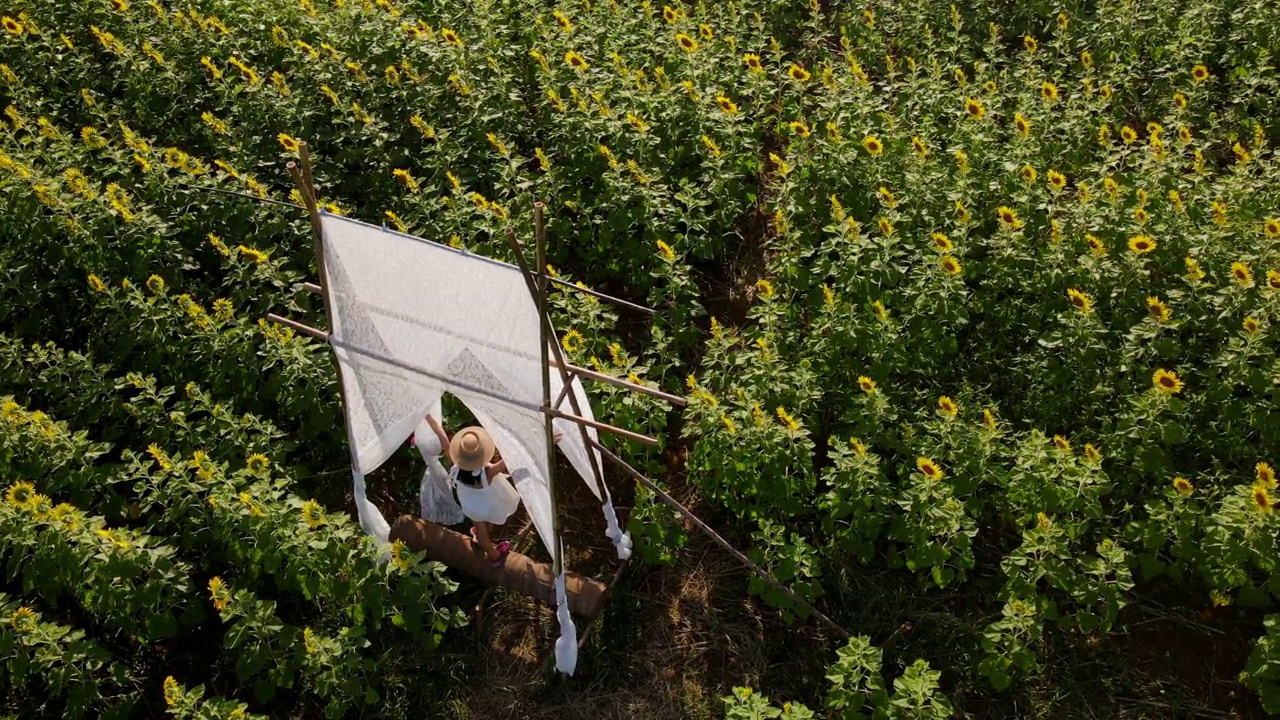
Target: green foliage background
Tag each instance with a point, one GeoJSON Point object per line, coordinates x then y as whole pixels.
{"type": "Point", "coordinates": [920, 268]}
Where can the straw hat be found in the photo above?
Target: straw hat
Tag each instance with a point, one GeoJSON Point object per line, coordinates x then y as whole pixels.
{"type": "Point", "coordinates": [471, 448]}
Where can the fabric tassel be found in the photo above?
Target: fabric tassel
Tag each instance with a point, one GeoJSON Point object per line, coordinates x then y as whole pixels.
{"type": "Point", "coordinates": [371, 519]}
{"type": "Point", "coordinates": [567, 643]}
{"type": "Point", "coordinates": [621, 540]}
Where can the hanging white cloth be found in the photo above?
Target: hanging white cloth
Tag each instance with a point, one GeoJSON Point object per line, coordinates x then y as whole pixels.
{"type": "Point", "coordinates": [413, 319]}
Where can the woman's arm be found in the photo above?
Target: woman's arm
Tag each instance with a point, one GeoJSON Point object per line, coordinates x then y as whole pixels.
{"type": "Point", "coordinates": [440, 433]}
{"type": "Point", "coordinates": [493, 470]}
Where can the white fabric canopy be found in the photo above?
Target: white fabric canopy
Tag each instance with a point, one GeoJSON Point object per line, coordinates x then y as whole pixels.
{"type": "Point", "coordinates": [413, 319]}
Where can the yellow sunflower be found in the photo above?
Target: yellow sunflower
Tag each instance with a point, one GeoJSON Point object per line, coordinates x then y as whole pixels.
{"type": "Point", "coordinates": [1008, 217]}
{"type": "Point", "coordinates": [1142, 244]}
{"type": "Point", "coordinates": [1091, 453]}
{"type": "Point", "coordinates": [1080, 300]}
{"type": "Point", "coordinates": [947, 406]}
{"type": "Point", "coordinates": [974, 108]}
{"type": "Point", "coordinates": [1242, 274]}
{"type": "Point", "coordinates": [219, 594]}
{"type": "Point", "coordinates": [1021, 124]}
{"type": "Point", "coordinates": [1266, 474]}
{"type": "Point", "coordinates": [940, 241]}
{"type": "Point", "coordinates": [256, 463]}
{"type": "Point", "coordinates": [1200, 73]}
{"type": "Point", "coordinates": [24, 618]}
{"type": "Point", "coordinates": [1056, 180]}
{"type": "Point", "coordinates": [686, 43]}
{"type": "Point", "coordinates": [1273, 279]}
{"type": "Point", "coordinates": [1194, 272]}
{"type": "Point", "coordinates": [753, 62]}
{"type": "Point", "coordinates": [919, 146]}
{"type": "Point", "coordinates": [798, 73]}
{"type": "Point", "coordinates": [1251, 325]}
{"type": "Point", "coordinates": [1261, 498]}
{"type": "Point", "coordinates": [1166, 381]}
{"type": "Point", "coordinates": [1159, 310]}
{"type": "Point", "coordinates": [929, 468]}
{"type": "Point", "coordinates": [312, 514]}
{"type": "Point", "coordinates": [572, 341]}
{"type": "Point", "coordinates": [1062, 443]}
{"type": "Point", "coordinates": [12, 26]}
{"type": "Point", "coordinates": [799, 128]}
{"type": "Point", "coordinates": [866, 384]}
{"type": "Point", "coordinates": [1028, 174]}
{"type": "Point", "coordinates": [575, 61]}
{"type": "Point", "coordinates": [727, 106]}
{"type": "Point", "coordinates": [872, 145]}
{"type": "Point", "coordinates": [21, 495]}
{"type": "Point", "coordinates": [1128, 135]}
{"type": "Point", "coordinates": [450, 36]}
{"type": "Point", "coordinates": [949, 265]}
{"type": "Point", "coordinates": [1183, 486]}
{"type": "Point", "coordinates": [1048, 91]}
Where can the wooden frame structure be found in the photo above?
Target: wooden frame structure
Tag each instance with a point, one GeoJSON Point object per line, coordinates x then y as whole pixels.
{"type": "Point", "coordinates": [586, 597]}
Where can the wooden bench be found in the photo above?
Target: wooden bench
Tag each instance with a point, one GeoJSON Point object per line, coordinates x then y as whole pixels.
{"type": "Point", "coordinates": [520, 573]}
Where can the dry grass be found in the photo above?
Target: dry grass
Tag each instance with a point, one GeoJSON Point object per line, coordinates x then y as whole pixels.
{"type": "Point", "coordinates": [671, 642]}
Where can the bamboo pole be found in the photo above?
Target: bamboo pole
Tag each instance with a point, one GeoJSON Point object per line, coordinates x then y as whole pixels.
{"type": "Point", "coordinates": [304, 329]}
{"type": "Point", "coordinates": [564, 390]}
{"type": "Point", "coordinates": [245, 195]}
{"type": "Point", "coordinates": [557, 552]}
{"type": "Point", "coordinates": [307, 189]}
{"type": "Point", "coordinates": [605, 378]}
{"type": "Point", "coordinates": [560, 363]}
{"type": "Point", "coordinates": [586, 423]}
{"type": "Point", "coordinates": [323, 336]}
{"type": "Point", "coordinates": [625, 384]}
{"type": "Point", "coordinates": [706, 529]}
{"type": "Point", "coordinates": [597, 294]}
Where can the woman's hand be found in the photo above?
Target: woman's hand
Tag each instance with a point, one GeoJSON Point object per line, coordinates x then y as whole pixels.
{"type": "Point", "coordinates": [440, 433]}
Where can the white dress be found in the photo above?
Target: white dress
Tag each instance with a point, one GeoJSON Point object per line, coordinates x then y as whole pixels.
{"type": "Point", "coordinates": [435, 494]}
{"type": "Point", "coordinates": [493, 502]}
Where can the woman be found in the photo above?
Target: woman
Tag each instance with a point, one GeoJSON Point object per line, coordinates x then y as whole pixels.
{"type": "Point", "coordinates": [485, 494]}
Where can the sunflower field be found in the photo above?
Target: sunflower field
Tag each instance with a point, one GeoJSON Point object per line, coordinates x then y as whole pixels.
{"type": "Point", "coordinates": [977, 307]}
